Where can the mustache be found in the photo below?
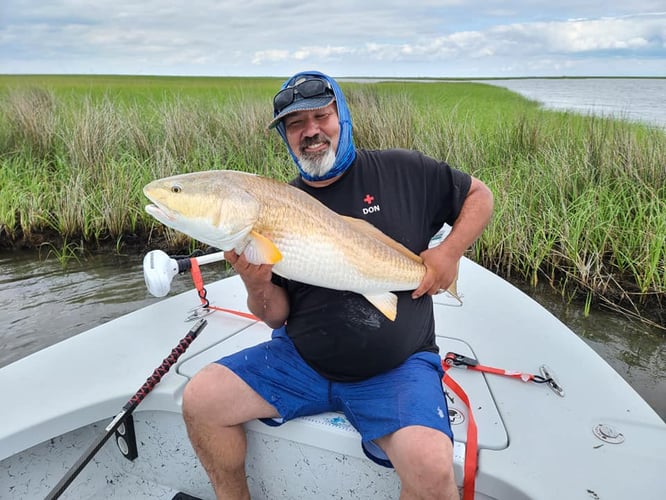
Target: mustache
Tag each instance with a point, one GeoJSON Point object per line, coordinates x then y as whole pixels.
{"type": "Point", "coordinates": [315, 139]}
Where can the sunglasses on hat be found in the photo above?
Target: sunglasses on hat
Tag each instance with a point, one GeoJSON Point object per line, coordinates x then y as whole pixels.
{"type": "Point", "coordinates": [314, 87]}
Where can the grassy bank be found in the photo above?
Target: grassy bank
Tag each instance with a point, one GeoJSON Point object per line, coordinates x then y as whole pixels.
{"type": "Point", "coordinates": [580, 201]}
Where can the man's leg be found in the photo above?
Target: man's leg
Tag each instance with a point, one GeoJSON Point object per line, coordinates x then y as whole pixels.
{"type": "Point", "coordinates": [216, 402]}
{"type": "Point", "coordinates": [402, 416]}
{"type": "Point", "coordinates": [423, 459]}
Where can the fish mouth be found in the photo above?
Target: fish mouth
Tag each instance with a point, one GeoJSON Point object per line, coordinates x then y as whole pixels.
{"type": "Point", "coordinates": [160, 212]}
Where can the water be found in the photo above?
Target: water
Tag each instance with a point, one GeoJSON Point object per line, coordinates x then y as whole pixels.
{"type": "Point", "coordinates": [634, 99]}
{"type": "Point", "coordinates": [43, 302]}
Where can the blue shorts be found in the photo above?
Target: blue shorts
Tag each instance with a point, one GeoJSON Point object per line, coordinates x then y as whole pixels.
{"type": "Point", "coordinates": [410, 394]}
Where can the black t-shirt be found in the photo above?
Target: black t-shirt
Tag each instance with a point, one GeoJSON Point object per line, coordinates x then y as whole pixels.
{"type": "Point", "coordinates": [409, 197]}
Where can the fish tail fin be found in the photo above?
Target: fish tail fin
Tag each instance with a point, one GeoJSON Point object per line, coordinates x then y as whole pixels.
{"type": "Point", "coordinates": [453, 292]}
{"type": "Point", "coordinates": [453, 288]}
{"type": "Point", "coordinates": [386, 302]}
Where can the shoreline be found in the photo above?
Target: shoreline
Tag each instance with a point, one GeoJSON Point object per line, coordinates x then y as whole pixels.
{"type": "Point", "coordinates": [650, 310]}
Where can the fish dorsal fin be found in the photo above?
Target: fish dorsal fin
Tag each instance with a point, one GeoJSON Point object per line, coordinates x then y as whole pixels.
{"type": "Point", "coordinates": [261, 250]}
{"type": "Point", "coordinates": [370, 230]}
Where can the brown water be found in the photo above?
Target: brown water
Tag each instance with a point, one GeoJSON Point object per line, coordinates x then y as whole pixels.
{"type": "Point", "coordinates": [42, 302]}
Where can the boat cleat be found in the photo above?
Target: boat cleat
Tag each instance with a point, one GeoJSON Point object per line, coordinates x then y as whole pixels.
{"type": "Point", "coordinates": [198, 312]}
{"type": "Point", "coordinates": [550, 380]}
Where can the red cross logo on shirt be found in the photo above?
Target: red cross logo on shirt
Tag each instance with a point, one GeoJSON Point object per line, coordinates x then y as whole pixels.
{"type": "Point", "coordinates": [368, 199]}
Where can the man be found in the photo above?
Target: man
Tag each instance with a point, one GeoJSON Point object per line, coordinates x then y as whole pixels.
{"type": "Point", "coordinates": [332, 349]}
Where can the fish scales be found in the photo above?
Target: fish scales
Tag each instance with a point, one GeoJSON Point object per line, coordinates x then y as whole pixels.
{"type": "Point", "coordinates": [318, 245]}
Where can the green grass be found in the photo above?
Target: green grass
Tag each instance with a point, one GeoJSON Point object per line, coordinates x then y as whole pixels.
{"type": "Point", "coordinates": [580, 200]}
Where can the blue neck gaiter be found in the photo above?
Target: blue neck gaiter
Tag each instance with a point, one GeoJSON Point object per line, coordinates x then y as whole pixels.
{"type": "Point", "coordinates": [346, 152]}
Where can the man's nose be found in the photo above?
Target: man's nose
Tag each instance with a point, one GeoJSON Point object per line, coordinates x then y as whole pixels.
{"type": "Point", "coordinates": [311, 127]}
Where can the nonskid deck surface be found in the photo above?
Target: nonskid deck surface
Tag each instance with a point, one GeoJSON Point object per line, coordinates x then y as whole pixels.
{"type": "Point", "coordinates": [166, 465]}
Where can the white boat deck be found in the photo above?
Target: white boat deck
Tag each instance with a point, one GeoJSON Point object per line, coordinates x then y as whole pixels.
{"type": "Point", "coordinates": [533, 443]}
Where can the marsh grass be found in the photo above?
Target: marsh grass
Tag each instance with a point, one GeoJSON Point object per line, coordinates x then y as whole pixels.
{"type": "Point", "coordinates": [580, 200]}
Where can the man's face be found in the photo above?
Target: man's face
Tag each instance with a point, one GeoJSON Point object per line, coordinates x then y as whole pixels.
{"type": "Point", "coordinates": [313, 137]}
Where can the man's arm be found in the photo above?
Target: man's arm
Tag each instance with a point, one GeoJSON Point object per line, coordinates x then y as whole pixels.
{"type": "Point", "coordinates": [265, 300]}
{"type": "Point", "coordinates": [441, 261]}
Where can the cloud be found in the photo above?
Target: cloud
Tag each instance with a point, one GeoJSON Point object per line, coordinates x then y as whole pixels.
{"type": "Point", "coordinates": [645, 34]}
{"type": "Point", "coordinates": [262, 56]}
{"type": "Point", "coordinates": [382, 38]}
{"type": "Point", "coordinates": [535, 45]}
{"type": "Point", "coordinates": [567, 37]}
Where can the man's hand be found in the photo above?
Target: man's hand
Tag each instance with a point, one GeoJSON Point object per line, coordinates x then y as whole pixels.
{"type": "Point", "coordinates": [265, 300]}
{"type": "Point", "coordinates": [441, 269]}
{"type": "Point", "coordinates": [254, 276]}
{"type": "Point", "coordinates": [442, 261]}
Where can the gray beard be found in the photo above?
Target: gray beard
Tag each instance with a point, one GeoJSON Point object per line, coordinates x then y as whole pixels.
{"type": "Point", "coordinates": [319, 165]}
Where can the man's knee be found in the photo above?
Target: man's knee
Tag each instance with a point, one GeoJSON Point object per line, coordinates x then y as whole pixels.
{"type": "Point", "coordinates": [201, 394]}
{"type": "Point", "coordinates": [217, 396]}
{"type": "Point", "coordinates": [423, 459]}
{"type": "Point", "coordinates": [432, 460]}
{"type": "Point", "coordinates": [428, 473]}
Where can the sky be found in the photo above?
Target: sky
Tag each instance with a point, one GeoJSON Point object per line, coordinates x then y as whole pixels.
{"type": "Point", "coordinates": [374, 38]}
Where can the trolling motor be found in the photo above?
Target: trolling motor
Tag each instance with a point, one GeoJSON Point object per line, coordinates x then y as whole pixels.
{"type": "Point", "coordinates": [159, 269]}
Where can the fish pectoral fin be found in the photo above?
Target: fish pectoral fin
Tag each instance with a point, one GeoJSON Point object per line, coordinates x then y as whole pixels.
{"type": "Point", "coordinates": [368, 229]}
{"type": "Point", "coordinates": [386, 302]}
{"type": "Point", "coordinates": [261, 250]}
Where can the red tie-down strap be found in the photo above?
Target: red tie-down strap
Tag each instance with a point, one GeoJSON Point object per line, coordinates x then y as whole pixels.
{"type": "Point", "coordinates": [201, 291]}
{"type": "Point", "coordinates": [471, 448]}
{"type": "Point", "coordinates": [454, 359]}
{"type": "Point", "coordinates": [471, 451]}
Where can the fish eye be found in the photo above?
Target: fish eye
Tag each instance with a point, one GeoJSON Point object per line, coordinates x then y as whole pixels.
{"type": "Point", "coordinates": [176, 188]}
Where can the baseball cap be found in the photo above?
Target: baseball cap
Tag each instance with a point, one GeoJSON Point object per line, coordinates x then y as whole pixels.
{"type": "Point", "coordinates": [305, 94]}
